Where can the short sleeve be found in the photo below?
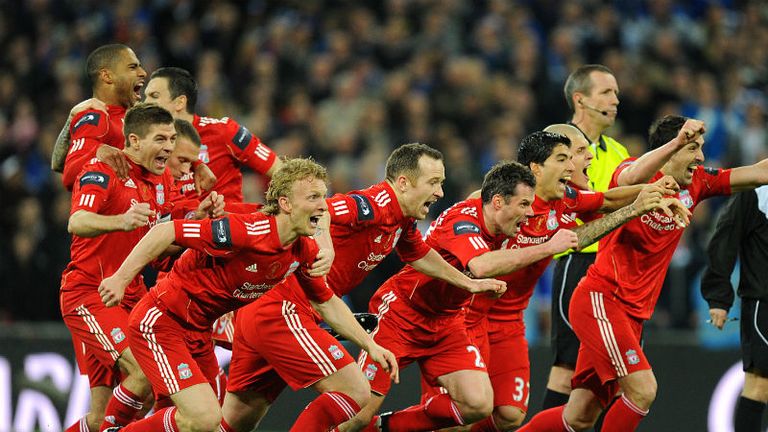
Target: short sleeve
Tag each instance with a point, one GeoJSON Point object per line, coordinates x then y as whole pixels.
{"type": "Point", "coordinates": [86, 131]}
{"type": "Point", "coordinates": [713, 181]}
{"type": "Point", "coordinates": [581, 201]}
{"type": "Point", "coordinates": [316, 288]}
{"type": "Point", "coordinates": [249, 149]}
{"type": "Point", "coordinates": [91, 190]}
{"type": "Point", "coordinates": [352, 209]}
{"type": "Point", "coordinates": [216, 237]}
{"type": "Point", "coordinates": [462, 238]}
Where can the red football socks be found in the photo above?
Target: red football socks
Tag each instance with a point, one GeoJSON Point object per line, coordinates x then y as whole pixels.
{"type": "Point", "coordinates": [623, 416]}
{"type": "Point", "coordinates": [547, 420]}
{"type": "Point", "coordinates": [438, 412]}
{"type": "Point", "coordinates": [225, 427]}
{"type": "Point", "coordinates": [121, 408]}
{"type": "Point", "coordinates": [325, 412]}
{"type": "Point", "coordinates": [79, 426]}
{"type": "Point", "coordinates": [163, 420]}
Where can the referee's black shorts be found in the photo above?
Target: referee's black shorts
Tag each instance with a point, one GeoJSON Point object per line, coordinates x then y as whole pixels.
{"type": "Point", "coordinates": [754, 335]}
{"type": "Point", "coordinates": [569, 270]}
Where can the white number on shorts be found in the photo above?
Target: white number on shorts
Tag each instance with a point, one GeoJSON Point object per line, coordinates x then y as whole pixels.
{"type": "Point", "coordinates": [478, 358]}
{"type": "Point", "coordinates": [520, 386]}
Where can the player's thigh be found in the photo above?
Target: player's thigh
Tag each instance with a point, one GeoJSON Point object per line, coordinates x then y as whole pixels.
{"type": "Point", "coordinates": [582, 409]}
{"type": "Point", "coordinates": [472, 387]}
{"type": "Point", "coordinates": [640, 387]}
{"type": "Point", "coordinates": [198, 408]}
{"type": "Point", "coordinates": [100, 329]}
{"type": "Point", "coordinates": [348, 380]}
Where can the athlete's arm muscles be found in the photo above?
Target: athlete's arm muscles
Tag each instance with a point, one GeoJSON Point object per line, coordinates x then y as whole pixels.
{"type": "Point", "coordinates": [83, 223]}
{"type": "Point", "coordinates": [750, 176]}
{"type": "Point", "coordinates": [504, 261]}
{"type": "Point", "coordinates": [276, 164]}
{"type": "Point", "coordinates": [599, 228]}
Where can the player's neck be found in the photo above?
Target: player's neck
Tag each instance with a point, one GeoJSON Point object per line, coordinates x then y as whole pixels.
{"type": "Point", "coordinates": [589, 128]}
{"type": "Point", "coordinates": [108, 97]}
{"type": "Point", "coordinates": [398, 196]}
{"type": "Point", "coordinates": [285, 230]}
{"type": "Point", "coordinates": [183, 115]}
{"type": "Point", "coordinates": [488, 220]}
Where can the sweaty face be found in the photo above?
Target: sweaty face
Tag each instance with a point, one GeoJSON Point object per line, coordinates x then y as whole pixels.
{"type": "Point", "coordinates": [154, 150]}
{"type": "Point", "coordinates": [604, 96]}
{"type": "Point", "coordinates": [554, 174]}
{"type": "Point", "coordinates": [128, 76]}
{"type": "Point", "coordinates": [682, 165]}
{"type": "Point", "coordinates": [307, 205]}
{"type": "Point", "coordinates": [425, 189]}
{"type": "Point", "coordinates": [515, 210]}
{"type": "Point", "coordinates": [582, 159]}
{"type": "Point", "coordinates": [180, 162]}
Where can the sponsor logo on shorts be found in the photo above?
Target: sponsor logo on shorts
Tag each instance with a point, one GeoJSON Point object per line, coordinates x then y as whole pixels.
{"type": "Point", "coordinates": [118, 335]}
{"type": "Point", "coordinates": [184, 371]}
{"type": "Point", "coordinates": [336, 352]}
{"type": "Point", "coordinates": [632, 357]}
{"type": "Point", "coordinates": [370, 372]}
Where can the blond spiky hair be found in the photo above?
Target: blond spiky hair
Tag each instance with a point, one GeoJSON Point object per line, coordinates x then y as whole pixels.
{"type": "Point", "coordinates": [290, 172]}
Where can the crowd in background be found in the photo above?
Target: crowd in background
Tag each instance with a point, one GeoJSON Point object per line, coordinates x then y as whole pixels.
{"type": "Point", "coordinates": [347, 81]}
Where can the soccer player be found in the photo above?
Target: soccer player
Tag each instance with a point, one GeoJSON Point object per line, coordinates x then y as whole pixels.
{"type": "Point", "coordinates": [226, 145]}
{"type": "Point", "coordinates": [592, 94]}
{"type": "Point", "coordinates": [496, 325]}
{"type": "Point", "coordinates": [112, 215]}
{"type": "Point", "coordinates": [183, 158]}
{"type": "Point", "coordinates": [278, 340]}
{"type": "Point", "coordinates": [620, 290]}
{"type": "Point", "coordinates": [421, 319]}
{"type": "Point", "coordinates": [742, 232]}
{"type": "Point", "coordinates": [230, 262]}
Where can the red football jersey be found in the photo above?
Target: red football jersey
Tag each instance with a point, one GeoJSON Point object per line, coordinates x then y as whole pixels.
{"type": "Point", "coordinates": [225, 146]}
{"type": "Point", "coordinates": [229, 263]}
{"type": "Point", "coordinates": [88, 130]}
{"type": "Point", "coordinates": [99, 190]}
{"type": "Point", "coordinates": [459, 235]}
{"type": "Point", "coordinates": [548, 217]}
{"type": "Point", "coordinates": [634, 258]}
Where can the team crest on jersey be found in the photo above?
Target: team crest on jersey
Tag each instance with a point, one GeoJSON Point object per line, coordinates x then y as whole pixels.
{"type": "Point", "coordinates": [336, 352]}
{"type": "Point", "coordinates": [184, 371]}
{"type": "Point", "coordinates": [632, 357]}
{"type": "Point", "coordinates": [203, 154]}
{"type": "Point", "coordinates": [291, 268]}
{"type": "Point", "coordinates": [117, 335]}
{"type": "Point", "coordinates": [552, 222]}
{"type": "Point", "coordinates": [685, 198]}
{"type": "Point", "coordinates": [370, 372]}
{"type": "Point", "coordinates": [159, 194]}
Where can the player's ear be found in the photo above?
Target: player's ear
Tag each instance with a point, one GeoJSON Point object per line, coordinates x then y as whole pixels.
{"type": "Point", "coordinates": [535, 168]}
{"type": "Point", "coordinates": [106, 76]}
{"type": "Point", "coordinates": [402, 183]}
{"type": "Point", "coordinates": [285, 204]}
{"type": "Point", "coordinates": [133, 141]}
{"type": "Point", "coordinates": [180, 103]}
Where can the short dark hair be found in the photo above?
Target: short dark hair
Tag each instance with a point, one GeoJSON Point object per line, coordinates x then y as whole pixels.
{"type": "Point", "coordinates": [185, 129]}
{"type": "Point", "coordinates": [103, 57]}
{"type": "Point", "coordinates": [405, 160]}
{"type": "Point", "coordinates": [141, 116]}
{"type": "Point", "coordinates": [664, 129]}
{"type": "Point", "coordinates": [580, 81]}
{"type": "Point", "coordinates": [503, 179]}
{"type": "Point", "coordinates": [180, 82]}
{"type": "Point", "coordinates": [538, 146]}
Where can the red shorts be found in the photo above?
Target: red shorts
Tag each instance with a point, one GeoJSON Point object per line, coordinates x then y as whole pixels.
{"type": "Point", "coordinates": [99, 333]}
{"type": "Point", "coordinates": [277, 342]}
{"type": "Point", "coordinates": [610, 340]}
{"type": "Point", "coordinates": [171, 363]}
{"type": "Point", "coordinates": [440, 345]}
{"type": "Point", "coordinates": [508, 364]}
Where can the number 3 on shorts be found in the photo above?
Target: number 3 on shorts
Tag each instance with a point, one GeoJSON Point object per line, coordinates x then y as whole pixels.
{"type": "Point", "coordinates": [478, 358]}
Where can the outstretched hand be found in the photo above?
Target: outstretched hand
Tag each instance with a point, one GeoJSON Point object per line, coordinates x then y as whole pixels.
{"type": "Point", "coordinates": [675, 209]}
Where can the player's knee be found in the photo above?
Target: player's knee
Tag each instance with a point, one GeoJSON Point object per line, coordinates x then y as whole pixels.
{"type": "Point", "coordinates": [508, 417]}
{"type": "Point", "coordinates": [201, 421]}
{"type": "Point", "coordinates": [582, 421]}
{"type": "Point", "coordinates": [475, 407]}
{"type": "Point", "coordinates": [643, 395]}
{"type": "Point", "coordinates": [360, 394]}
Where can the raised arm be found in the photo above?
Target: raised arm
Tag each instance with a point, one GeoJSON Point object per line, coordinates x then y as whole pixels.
{"type": "Point", "coordinates": [84, 223]}
{"type": "Point", "coordinates": [432, 264]}
{"type": "Point", "coordinates": [647, 165]}
{"type": "Point", "coordinates": [750, 176]}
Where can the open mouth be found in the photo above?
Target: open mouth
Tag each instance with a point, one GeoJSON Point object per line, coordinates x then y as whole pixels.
{"type": "Point", "coordinates": [137, 90]}
{"type": "Point", "coordinates": [564, 180]}
{"type": "Point", "coordinates": [313, 221]}
{"type": "Point", "coordinates": [691, 169]}
{"type": "Point", "coordinates": [160, 163]}
{"type": "Point", "coordinates": [426, 205]}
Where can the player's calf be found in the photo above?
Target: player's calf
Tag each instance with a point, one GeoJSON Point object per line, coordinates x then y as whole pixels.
{"type": "Point", "coordinates": [507, 417]}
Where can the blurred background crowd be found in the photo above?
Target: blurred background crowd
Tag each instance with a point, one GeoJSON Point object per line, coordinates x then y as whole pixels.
{"type": "Point", "coordinates": [347, 81]}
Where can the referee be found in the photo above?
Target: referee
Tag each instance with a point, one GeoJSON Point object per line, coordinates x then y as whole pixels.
{"type": "Point", "coordinates": [742, 231]}
{"type": "Point", "coordinates": [593, 96]}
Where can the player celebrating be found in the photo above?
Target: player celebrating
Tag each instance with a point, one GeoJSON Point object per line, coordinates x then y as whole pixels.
{"type": "Point", "coordinates": [620, 290]}
{"type": "Point", "coordinates": [230, 262]}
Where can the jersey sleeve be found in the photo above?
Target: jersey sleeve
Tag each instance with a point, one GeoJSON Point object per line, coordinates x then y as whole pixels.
{"type": "Point", "coordinates": [461, 237]}
{"type": "Point", "coordinates": [216, 237]}
{"type": "Point", "coordinates": [353, 209]}
{"type": "Point", "coordinates": [91, 190]}
{"type": "Point", "coordinates": [249, 149]}
{"type": "Point", "coordinates": [86, 131]}
{"type": "Point", "coordinates": [581, 201]}
{"type": "Point", "coordinates": [714, 181]}
{"type": "Point", "coordinates": [621, 167]}
{"type": "Point", "coordinates": [411, 246]}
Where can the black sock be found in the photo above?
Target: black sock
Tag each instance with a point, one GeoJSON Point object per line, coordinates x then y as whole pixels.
{"type": "Point", "coordinates": [553, 399]}
{"type": "Point", "coordinates": [749, 415]}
